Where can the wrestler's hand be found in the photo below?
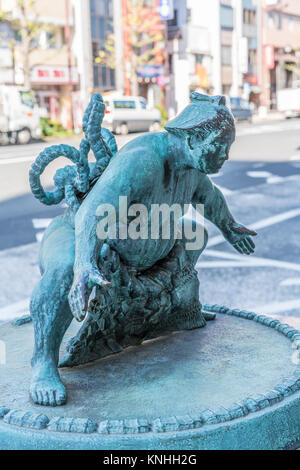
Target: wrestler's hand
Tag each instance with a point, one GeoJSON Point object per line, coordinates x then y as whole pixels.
{"type": "Point", "coordinates": [80, 292]}
{"type": "Point", "coordinates": [240, 239]}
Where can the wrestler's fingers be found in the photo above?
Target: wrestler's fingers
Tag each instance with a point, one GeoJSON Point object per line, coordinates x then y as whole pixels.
{"type": "Point", "coordinates": [250, 245]}
{"type": "Point", "coordinates": [80, 303]}
{"type": "Point", "coordinates": [250, 241]}
{"type": "Point", "coordinates": [238, 248]}
{"type": "Point", "coordinates": [74, 305]}
{"type": "Point", "coordinates": [83, 294]}
{"type": "Point", "coordinates": [244, 247]}
{"type": "Point", "coordinates": [98, 279]}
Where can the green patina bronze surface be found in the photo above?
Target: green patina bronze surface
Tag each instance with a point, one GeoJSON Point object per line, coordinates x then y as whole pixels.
{"type": "Point", "coordinates": [140, 288]}
{"type": "Point", "coordinates": [237, 379]}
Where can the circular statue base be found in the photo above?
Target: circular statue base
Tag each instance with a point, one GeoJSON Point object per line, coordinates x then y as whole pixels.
{"type": "Point", "coordinates": [231, 385]}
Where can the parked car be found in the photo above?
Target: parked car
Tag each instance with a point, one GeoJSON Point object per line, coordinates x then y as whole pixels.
{"type": "Point", "coordinates": [19, 115]}
{"type": "Point", "coordinates": [130, 114]}
{"type": "Point", "coordinates": [288, 101]}
{"type": "Point", "coordinates": [241, 109]}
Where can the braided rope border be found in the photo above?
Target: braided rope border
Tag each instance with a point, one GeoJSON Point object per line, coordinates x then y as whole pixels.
{"type": "Point", "coordinates": [174, 423]}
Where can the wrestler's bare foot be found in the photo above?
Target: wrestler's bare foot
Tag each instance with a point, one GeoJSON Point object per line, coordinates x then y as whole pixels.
{"type": "Point", "coordinates": [46, 387]}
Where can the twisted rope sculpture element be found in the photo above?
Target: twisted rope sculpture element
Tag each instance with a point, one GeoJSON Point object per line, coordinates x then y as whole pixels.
{"type": "Point", "coordinates": [71, 181]}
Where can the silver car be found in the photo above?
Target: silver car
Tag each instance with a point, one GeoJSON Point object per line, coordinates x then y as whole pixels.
{"type": "Point", "coordinates": [130, 114]}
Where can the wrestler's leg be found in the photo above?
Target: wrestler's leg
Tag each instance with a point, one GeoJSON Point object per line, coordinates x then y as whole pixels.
{"type": "Point", "coordinates": [198, 246]}
{"type": "Point", "coordinates": [50, 312]}
{"type": "Point", "coordinates": [182, 260]}
{"type": "Point", "coordinates": [194, 238]}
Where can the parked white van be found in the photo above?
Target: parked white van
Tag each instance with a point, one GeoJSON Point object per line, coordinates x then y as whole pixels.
{"type": "Point", "coordinates": [288, 102]}
{"type": "Point", "coordinates": [130, 114]}
{"type": "Point", "coordinates": [19, 115]}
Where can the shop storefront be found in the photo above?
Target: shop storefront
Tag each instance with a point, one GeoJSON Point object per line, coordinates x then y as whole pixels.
{"type": "Point", "coordinates": [52, 88]}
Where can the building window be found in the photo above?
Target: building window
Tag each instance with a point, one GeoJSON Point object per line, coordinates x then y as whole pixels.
{"type": "Point", "coordinates": [170, 63]}
{"type": "Point", "coordinates": [226, 89]}
{"type": "Point", "coordinates": [226, 53]}
{"type": "Point", "coordinates": [102, 34]}
{"type": "Point", "coordinates": [189, 15]}
{"type": "Point", "coordinates": [51, 40]}
{"type": "Point", "coordinates": [17, 36]}
{"type": "Point", "coordinates": [93, 7]}
{"type": "Point", "coordinates": [290, 23]}
{"type": "Point", "coordinates": [274, 20]}
{"type": "Point", "coordinates": [199, 58]}
{"type": "Point", "coordinates": [112, 78]}
{"type": "Point", "coordinates": [104, 76]}
{"type": "Point", "coordinates": [101, 27]}
{"type": "Point", "coordinates": [249, 16]}
{"type": "Point", "coordinates": [94, 27]}
{"type": "Point", "coordinates": [149, 3]}
{"type": "Point", "coordinates": [174, 22]}
{"type": "Point", "coordinates": [109, 8]}
{"type": "Point", "coordinates": [101, 7]}
{"type": "Point", "coordinates": [226, 17]}
{"type": "Point", "coordinates": [96, 76]}
{"type": "Point", "coordinates": [129, 104]}
{"type": "Point", "coordinates": [143, 104]}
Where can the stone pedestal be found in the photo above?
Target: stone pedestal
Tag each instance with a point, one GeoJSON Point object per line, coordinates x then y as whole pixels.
{"type": "Point", "coordinates": [231, 385]}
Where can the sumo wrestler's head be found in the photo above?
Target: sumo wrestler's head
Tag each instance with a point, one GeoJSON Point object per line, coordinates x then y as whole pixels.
{"type": "Point", "coordinates": [207, 125]}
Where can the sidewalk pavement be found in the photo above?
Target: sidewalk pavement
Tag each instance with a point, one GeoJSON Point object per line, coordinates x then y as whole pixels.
{"type": "Point", "coordinates": [269, 117]}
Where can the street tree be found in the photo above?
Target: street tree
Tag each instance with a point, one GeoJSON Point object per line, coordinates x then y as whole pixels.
{"type": "Point", "coordinates": [25, 31]}
{"type": "Point", "coordinates": [143, 35]}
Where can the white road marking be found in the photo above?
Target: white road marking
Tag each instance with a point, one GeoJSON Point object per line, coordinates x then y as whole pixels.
{"type": "Point", "coordinates": [260, 224]}
{"type": "Point", "coordinates": [9, 161]}
{"type": "Point", "coordinates": [222, 264]}
{"type": "Point", "coordinates": [39, 236]}
{"type": "Point", "coordinates": [14, 310]}
{"type": "Point", "coordinates": [225, 191]}
{"type": "Point", "coordinates": [38, 224]}
{"type": "Point", "coordinates": [275, 179]}
{"type": "Point", "coordinates": [41, 223]}
{"type": "Point", "coordinates": [268, 128]}
{"type": "Point", "coordinates": [295, 157]}
{"type": "Point", "coordinates": [243, 261]}
{"type": "Point", "coordinates": [259, 174]}
{"type": "Point", "coordinates": [270, 178]}
{"type": "Point", "coordinates": [292, 281]}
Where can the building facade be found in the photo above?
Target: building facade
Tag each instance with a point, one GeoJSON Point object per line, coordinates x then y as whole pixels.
{"type": "Point", "coordinates": [190, 53]}
{"type": "Point", "coordinates": [280, 60]}
{"type": "Point", "coordinates": [245, 73]}
{"type": "Point", "coordinates": [102, 26]}
{"type": "Point", "coordinates": [51, 64]}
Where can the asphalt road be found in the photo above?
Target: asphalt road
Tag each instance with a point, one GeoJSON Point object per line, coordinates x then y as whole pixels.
{"type": "Point", "coordinates": [261, 184]}
{"type": "Point", "coordinates": [256, 156]}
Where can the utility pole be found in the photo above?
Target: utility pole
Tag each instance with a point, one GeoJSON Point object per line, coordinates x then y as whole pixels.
{"type": "Point", "coordinates": [68, 42]}
{"type": "Point", "coordinates": [118, 33]}
{"type": "Point", "coordinates": [126, 40]}
{"type": "Point", "coordinates": [167, 68]}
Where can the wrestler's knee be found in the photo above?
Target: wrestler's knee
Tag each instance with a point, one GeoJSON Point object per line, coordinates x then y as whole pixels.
{"type": "Point", "coordinates": [195, 235]}
{"type": "Point", "coordinates": [194, 247]}
{"type": "Point", "coordinates": [53, 288]}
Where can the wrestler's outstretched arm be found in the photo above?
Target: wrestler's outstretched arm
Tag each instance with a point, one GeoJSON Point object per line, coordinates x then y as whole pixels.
{"type": "Point", "coordinates": [217, 211]}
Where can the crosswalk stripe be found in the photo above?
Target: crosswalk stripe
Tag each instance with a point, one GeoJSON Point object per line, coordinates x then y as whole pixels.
{"type": "Point", "coordinates": [260, 224]}
{"type": "Point", "coordinates": [14, 310]}
{"type": "Point", "coordinates": [41, 223]}
{"type": "Point", "coordinates": [10, 161]}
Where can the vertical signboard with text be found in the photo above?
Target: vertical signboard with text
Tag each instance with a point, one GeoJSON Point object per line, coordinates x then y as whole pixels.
{"type": "Point", "coordinates": [166, 9]}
